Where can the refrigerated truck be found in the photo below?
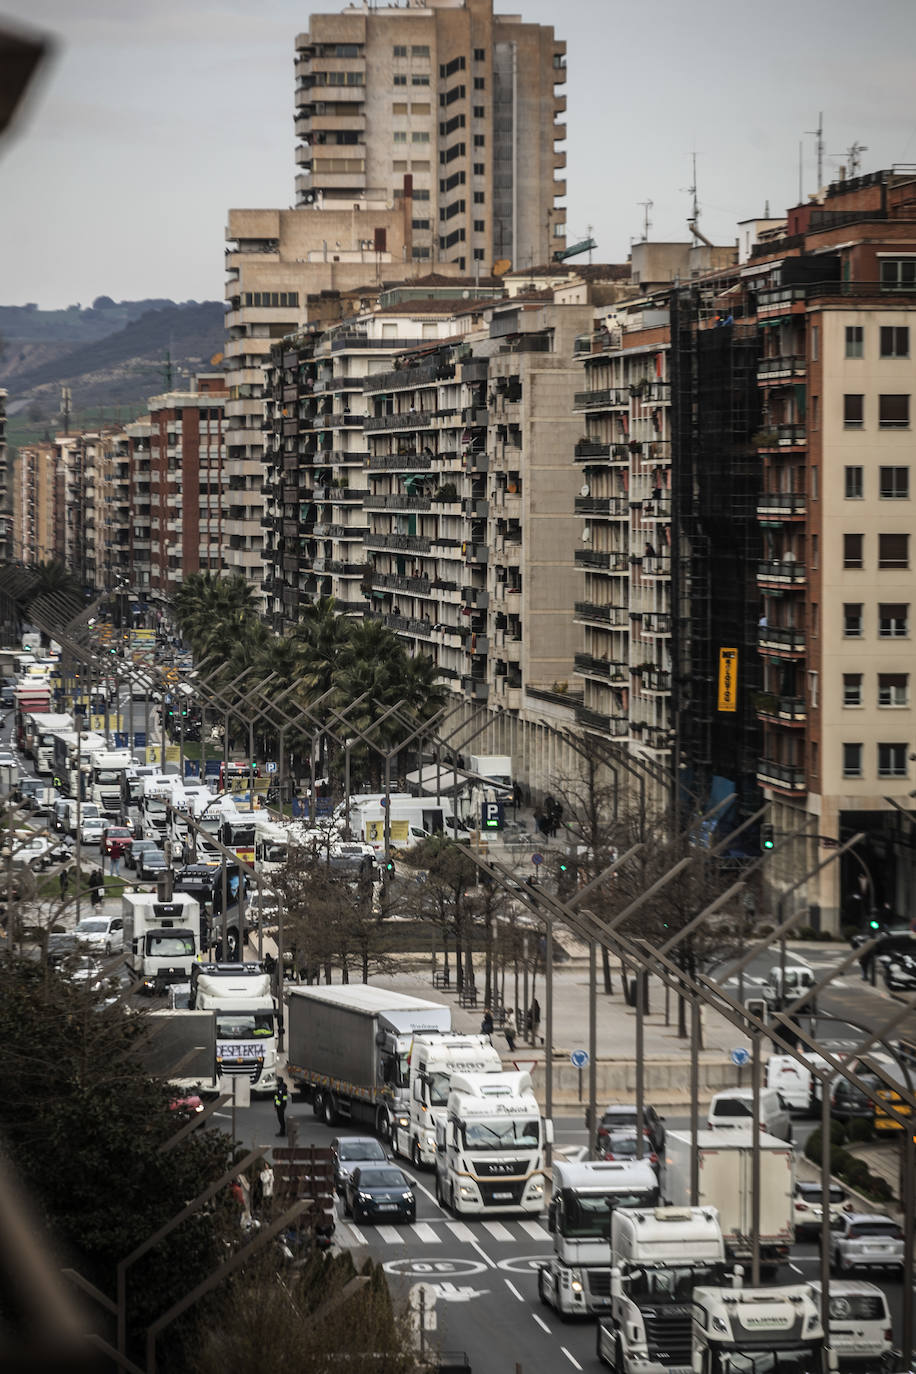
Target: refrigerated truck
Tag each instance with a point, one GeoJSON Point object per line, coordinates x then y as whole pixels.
{"type": "Point", "coordinates": [725, 1176]}
{"type": "Point", "coordinates": [162, 939]}
{"type": "Point", "coordinates": [348, 1046]}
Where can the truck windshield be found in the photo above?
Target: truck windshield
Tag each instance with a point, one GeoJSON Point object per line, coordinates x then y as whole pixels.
{"type": "Point", "coordinates": [234, 1025]}
{"type": "Point", "coordinates": [106, 776]}
{"type": "Point", "coordinates": [670, 1284]}
{"type": "Point", "coordinates": [502, 1135]}
{"type": "Point", "coordinates": [166, 946]}
{"type": "Point", "coordinates": [273, 853]}
{"type": "Point", "coordinates": [438, 1089]}
{"type": "Point", "coordinates": [588, 1216]}
{"type": "Point", "coordinates": [801, 1359]}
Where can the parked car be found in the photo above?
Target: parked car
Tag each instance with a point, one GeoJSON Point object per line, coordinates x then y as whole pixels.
{"type": "Point", "coordinates": [809, 1208]}
{"type": "Point", "coordinates": [373, 1193]}
{"type": "Point", "coordinates": [91, 829]}
{"type": "Point", "coordinates": [621, 1116]}
{"type": "Point", "coordinates": [151, 865]}
{"type": "Point", "coordinates": [622, 1145]}
{"type": "Point", "coordinates": [135, 849]}
{"type": "Point", "coordinates": [865, 1240]}
{"type": "Point", "coordinates": [101, 934]}
{"type": "Point", "coordinates": [351, 1152]}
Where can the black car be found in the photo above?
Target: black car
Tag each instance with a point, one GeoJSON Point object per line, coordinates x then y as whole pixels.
{"type": "Point", "coordinates": [621, 1117]}
{"type": "Point", "coordinates": [373, 1193]}
{"type": "Point", "coordinates": [151, 865]}
{"type": "Point", "coordinates": [135, 849]}
{"type": "Point", "coordinates": [352, 1152]}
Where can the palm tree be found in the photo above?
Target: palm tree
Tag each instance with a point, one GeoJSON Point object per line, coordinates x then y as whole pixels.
{"type": "Point", "coordinates": [204, 599]}
{"type": "Point", "coordinates": [324, 635]}
{"type": "Point", "coordinates": [53, 579]}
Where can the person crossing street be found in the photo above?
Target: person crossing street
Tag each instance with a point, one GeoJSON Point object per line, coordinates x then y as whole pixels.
{"type": "Point", "coordinates": [281, 1097]}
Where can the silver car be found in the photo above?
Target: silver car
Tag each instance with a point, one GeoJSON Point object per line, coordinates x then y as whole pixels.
{"type": "Point", "coordinates": [865, 1240]}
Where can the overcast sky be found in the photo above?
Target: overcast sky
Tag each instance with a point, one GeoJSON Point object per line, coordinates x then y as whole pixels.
{"type": "Point", "coordinates": [154, 117]}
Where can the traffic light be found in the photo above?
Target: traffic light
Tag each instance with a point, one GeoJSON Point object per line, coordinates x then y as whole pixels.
{"type": "Point", "coordinates": [874, 924]}
{"type": "Point", "coordinates": [389, 867]}
{"type": "Point", "coordinates": [766, 837]}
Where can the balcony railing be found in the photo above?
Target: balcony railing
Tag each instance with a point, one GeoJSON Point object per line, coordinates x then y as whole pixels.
{"type": "Point", "coordinates": [775, 369]}
{"type": "Point", "coordinates": [785, 640]}
{"type": "Point", "coordinates": [403, 462]}
{"type": "Point", "coordinates": [591, 666]}
{"type": "Point", "coordinates": [616, 617]}
{"type": "Point", "coordinates": [782, 573]}
{"type": "Point", "coordinates": [791, 710]}
{"type": "Point", "coordinates": [616, 726]}
{"type": "Point", "coordinates": [408, 419]}
{"type": "Point", "coordinates": [784, 777]}
{"type": "Point", "coordinates": [781, 505]}
{"type": "Point", "coordinates": [587, 449]}
{"type": "Point", "coordinates": [601, 399]}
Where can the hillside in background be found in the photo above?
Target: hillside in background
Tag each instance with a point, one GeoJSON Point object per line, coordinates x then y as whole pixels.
{"type": "Point", "coordinates": [110, 356]}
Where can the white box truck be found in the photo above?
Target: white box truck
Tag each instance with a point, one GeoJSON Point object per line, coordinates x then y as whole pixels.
{"type": "Point", "coordinates": [349, 1047]}
{"type": "Point", "coordinates": [658, 1256]}
{"type": "Point", "coordinates": [490, 1149]}
{"type": "Point", "coordinates": [162, 939]}
{"type": "Point", "coordinates": [725, 1174]}
{"type": "Point", "coordinates": [246, 1022]}
{"type": "Point", "coordinates": [576, 1279]}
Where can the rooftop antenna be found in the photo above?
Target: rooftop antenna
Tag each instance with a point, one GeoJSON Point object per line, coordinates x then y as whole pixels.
{"type": "Point", "coordinates": [66, 401]}
{"type": "Point", "coordinates": [819, 147]}
{"type": "Point", "coordinates": [167, 369]}
{"type": "Point", "coordinates": [853, 157]}
{"type": "Point", "coordinates": [646, 221]}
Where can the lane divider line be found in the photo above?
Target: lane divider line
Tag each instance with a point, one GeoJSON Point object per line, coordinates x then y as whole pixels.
{"type": "Point", "coordinates": [514, 1291]}
{"type": "Point", "coordinates": [572, 1359]}
{"type": "Point", "coordinates": [542, 1324]}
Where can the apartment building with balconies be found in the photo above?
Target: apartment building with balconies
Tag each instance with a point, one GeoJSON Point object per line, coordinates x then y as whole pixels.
{"type": "Point", "coordinates": [6, 504]}
{"type": "Point", "coordinates": [834, 301]}
{"type": "Point", "coordinates": [34, 490]}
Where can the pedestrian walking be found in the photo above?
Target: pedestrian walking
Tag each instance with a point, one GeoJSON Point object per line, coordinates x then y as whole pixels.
{"type": "Point", "coordinates": [64, 881]}
{"type": "Point", "coordinates": [486, 1025]}
{"type": "Point", "coordinates": [96, 886]}
{"type": "Point", "coordinates": [509, 1029]}
{"type": "Point", "coordinates": [535, 1015]}
{"type": "Point", "coordinates": [281, 1097]}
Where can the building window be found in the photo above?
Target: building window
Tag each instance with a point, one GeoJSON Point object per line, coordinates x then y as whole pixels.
{"type": "Point", "coordinates": [893, 620]}
{"type": "Point", "coordinates": [419, 252]}
{"type": "Point", "coordinates": [400, 80]}
{"type": "Point", "coordinates": [815, 412]}
{"type": "Point", "coordinates": [419, 80]}
{"type": "Point", "coordinates": [812, 689]}
{"type": "Point", "coordinates": [853, 484]}
{"type": "Point", "coordinates": [417, 109]}
{"type": "Point", "coordinates": [893, 689]}
{"type": "Point", "coordinates": [479, 141]}
{"type": "Point", "coordinates": [852, 760]}
{"type": "Point", "coordinates": [480, 55]}
{"type": "Point", "coordinates": [419, 136]}
{"type": "Point", "coordinates": [399, 136]}
{"type": "Point", "coordinates": [815, 618]}
{"type": "Point", "coordinates": [479, 226]}
{"type": "Point", "coordinates": [893, 550]}
{"type": "Point", "coordinates": [814, 483]}
{"type": "Point", "coordinates": [853, 411]}
{"type": "Point", "coordinates": [852, 620]}
{"type": "Point", "coordinates": [852, 689]}
{"type": "Point", "coordinates": [815, 342]}
{"type": "Point", "coordinates": [479, 83]}
{"type": "Point", "coordinates": [479, 169]}
{"type": "Point", "coordinates": [420, 195]}
{"type": "Point", "coordinates": [399, 165]}
{"type": "Point", "coordinates": [898, 274]}
{"type": "Point", "coordinates": [479, 197]}
{"type": "Point", "coordinates": [855, 341]}
{"type": "Point", "coordinates": [894, 412]}
{"type": "Point", "coordinates": [399, 50]}
{"type": "Point", "coordinates": [852, 550]}
{"type": "Point", "coordinates": [895, 341]}
{"type": "Point", "coordinates": [892, 760]}
{"type": "Point", "coordinates": [479, 112]}
{"type": "Point", "coordinates": [420, 50]}
{"type": "Point", "coordinates": [416, 166]}
{"type": "Point", "coordinates": [895, 484]}
{"type": "Point", "coordinates": [419, 224]}
{"type": "Point", "coordinates": [479, 254]}
{"type": "Point", "coordinates": [815, 550]}
{"type": "Point", "coordinates": [399, 107]}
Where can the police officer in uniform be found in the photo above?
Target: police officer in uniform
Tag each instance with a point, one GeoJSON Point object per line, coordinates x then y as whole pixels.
{"type": "Point", "coordinates": [281, 1097]}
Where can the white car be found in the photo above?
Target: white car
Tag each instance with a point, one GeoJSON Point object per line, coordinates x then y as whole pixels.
{"type": "Point", "coordinates": [864, 1240]}
{"type": "Point", "coordinates": [809, 1208]}
{"type": "Point", "coordinates": [92, 828]}
{"type": "Point", "coordinates": [34, 850]}
{"type": "Point", "coordinates": [101, 934]}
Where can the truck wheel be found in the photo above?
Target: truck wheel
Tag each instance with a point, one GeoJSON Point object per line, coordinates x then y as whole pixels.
{"type": "Point", "coordinates": [542, 1289]}
{"type": "Point", "coordinates": [317, 1103]}
{"type": "Point", "coordinates": [330, 1114]}
{"type": "Point", "coordinates": [415, 1159]}
{"type": "Point", "coordinates": [382, 1123]}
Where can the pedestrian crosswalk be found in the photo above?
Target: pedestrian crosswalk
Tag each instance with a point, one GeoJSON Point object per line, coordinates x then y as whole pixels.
{"type": "Point", "coordinates": [438, 1231]}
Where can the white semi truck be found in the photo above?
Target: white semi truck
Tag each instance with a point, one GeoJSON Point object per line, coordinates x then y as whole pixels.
{"type": "Point", "coordinates": [725, 1177]}
{"type": "Point", "coordinates": [490, 1148]}
{"type": "Point", "coordinates": [349, 1046]}
{"type": "Point", "coordinates": [576, 1279]}
{"type": "Point", "coordinates": [432, 1060]}
{"type": "Point", "coordinates": [106, 787]}
{"type": "Point", "coordinates": [246, 1021]}
{"type": "Point", "coordinates": [658, 1256]}
{"type": "Point", "coordinates": [162, 939]}
{"type": "Point", "coordinates": [778, 1330]}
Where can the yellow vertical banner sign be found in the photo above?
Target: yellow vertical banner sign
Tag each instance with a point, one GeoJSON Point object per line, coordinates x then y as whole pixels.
{"type": "Point", "coordinates": [728, 679]}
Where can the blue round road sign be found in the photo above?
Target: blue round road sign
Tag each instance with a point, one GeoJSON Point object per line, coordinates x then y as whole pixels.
{"type": "Point", "coordinates": [537, 859]}
{"type": "Point", "coordinates": [578, 1058]}
{"type": "Point", "coordinates": [740, 1057]}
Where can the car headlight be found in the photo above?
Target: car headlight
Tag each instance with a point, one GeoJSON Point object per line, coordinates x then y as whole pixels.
{"type": "Point", "coordinates": [536, 1189]}
{"type": "Point", "coordinates": [365, 1197]}
{"type": "Point", "coordinates": [404, 1121]}
{"type": "Point", "coordinates": [430, 1142]}
{"type": "Point", "coordinates": [575, 1280]}
{"type": "Point", "coordinates": [408, 1197]}
{"type": "Point", "coordinates": [466, 1190]}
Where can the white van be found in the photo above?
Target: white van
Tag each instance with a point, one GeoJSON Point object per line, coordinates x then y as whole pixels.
{"type": "Point", "coordinates": [860, 1324]}
{"type": "Point", "coordinates": [733, 1108]}
{"type": "Point", "coordinates": [792, 1080]}
{"type": "Point", "coordinates": [86, 809]}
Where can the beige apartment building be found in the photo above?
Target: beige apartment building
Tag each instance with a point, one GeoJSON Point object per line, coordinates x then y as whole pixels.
{"type": "Point", "coordinates": [33, 504]}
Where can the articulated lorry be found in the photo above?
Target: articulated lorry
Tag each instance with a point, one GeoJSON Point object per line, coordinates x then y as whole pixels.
{"type": "Point", "coordinates": [106, 786]}
{"type": "Point", "coordinates": [432, 1061]}
{"type": "Point", "coordinates": [777, 1330]}
{"type": "Point", "coordinates": [576, 1279]}
{"type": "Point", "coordinates": [162, 939]}
{"type": "Point", "coordinates": [349, 1047]}
{"type": "Point", "coordinates": [659, 1255]}
{"type": "Point", "coordinates": [725, 1176]}
{"type": "Point", "coordinates": [246, 1020]}
{"type": "Point", "coordinates": [490, 1149]}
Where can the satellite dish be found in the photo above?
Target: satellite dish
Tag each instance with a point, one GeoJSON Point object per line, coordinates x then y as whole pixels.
{"type": "Point", "coordinates": [584, 489]}
{"type": "Point", "coordinates": [587, 535]}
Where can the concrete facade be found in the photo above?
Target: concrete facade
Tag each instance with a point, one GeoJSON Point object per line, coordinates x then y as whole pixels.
{"type": "Point", "coordinates": [33, 502]}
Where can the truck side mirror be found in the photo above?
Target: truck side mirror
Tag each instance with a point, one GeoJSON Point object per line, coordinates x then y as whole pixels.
{"type": "Point", "coordinates": [616, 1284]}
{"type": "Point", "coordinates": [552, 1216]}
{"type": "Point", "coordinates": [548, 1131]}
{"type": "Point", "coordinates": [440, 1134]}
{"type": "Point", "coordinates": [417, 1090]}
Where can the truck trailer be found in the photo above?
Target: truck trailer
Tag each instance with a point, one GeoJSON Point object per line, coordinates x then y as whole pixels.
{"type": "Point", "coordinates": [349, 1047]}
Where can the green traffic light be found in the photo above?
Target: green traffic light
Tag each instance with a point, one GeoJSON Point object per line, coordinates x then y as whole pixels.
{"type": "Point", "coordinates": [875, 925]}
{"type": "Point", "coordinates": [563, 867]}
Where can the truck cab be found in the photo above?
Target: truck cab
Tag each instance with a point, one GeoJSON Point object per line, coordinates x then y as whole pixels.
{"type": "Point", "coordinates": [106, 780]}
{"type": "Point", "coordinates": [162, 939]}
{"type": "Point", "coordinates": [246, 1021]}
{"type": "Point", "coordinates": [490, 1147]}
{"type": "Point", "coordinates": [433, 1061]}
{"type": "Point", "coordinates": [659, 1255]}
{"type": "Point", "coordinates": [776, 1329]}
{"type": "Point", "coordinates": [576, 1280]}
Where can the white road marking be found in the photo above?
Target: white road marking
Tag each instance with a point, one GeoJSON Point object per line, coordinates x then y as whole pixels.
{"type": "Point", "coordinates": [542, 1324]}
{"type": "Point", "coordinates": [390, 1235]}
{"type": "Point", "coordinates": [514, 1291]}
{"type": "Point", "coordinates": [535, 1230]}
{"type": "Point", "coordinates": [425, 1232]}
{"type": "Point", "coordinates": [483, 1254]}
{"type": "Point", "coordinates": [795, 1268]}
{"type": "Point", "coordinates": [498, 1231]}
{"type": "Point", "coordinates": [572, 1359]}
{"type": "Point", "coordinates": [461, 1231]}
{"type": "Point", "coordinates": [418, 1188]}
{"type": "Point", "coordinates": [357, 1233]}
